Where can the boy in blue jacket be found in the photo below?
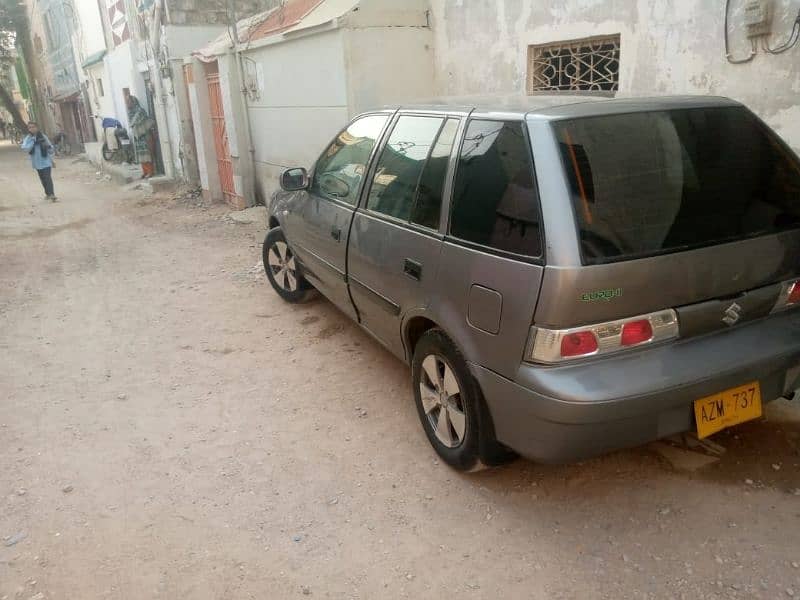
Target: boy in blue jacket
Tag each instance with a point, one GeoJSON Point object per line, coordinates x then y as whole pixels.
{"type": "Point", "coordinates": [41, 152]}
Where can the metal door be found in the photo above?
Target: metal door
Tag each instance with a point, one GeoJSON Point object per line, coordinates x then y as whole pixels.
{"type": "Point", "coordinates": [224, 163]}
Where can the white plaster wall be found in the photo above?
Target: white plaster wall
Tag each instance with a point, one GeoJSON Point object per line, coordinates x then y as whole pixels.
{"type": "Point", "coordinates": [182, 40]}
{"type": "Point", "coordinates": [102, 106]}
{"type": "Point", "coordinates": [173, 130]}
{"type": "Point", "coordinates": [667, 47]}
{"type": "Point", "coordinates": [199, 132]}
{"type": "Point", "coordinates": [302, 103]}
{"type": "Point", "coordinates": [119, 65]}
{"type": "Point", "coordinates": [227, 83]}
{"type": "Point", "coordinates": [388, 66]}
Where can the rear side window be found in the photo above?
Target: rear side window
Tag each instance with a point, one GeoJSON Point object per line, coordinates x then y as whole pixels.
{"type": "Point", "coordinates": [494, 200]}
{"type": "Point", "coordinates": [656, 182]}
{"type": "Point", "coordinates": [400, 165]}
{"type": "Point", "coordinates": [428, 203]}
{"type": "Point", "coordinates": [409, 176]}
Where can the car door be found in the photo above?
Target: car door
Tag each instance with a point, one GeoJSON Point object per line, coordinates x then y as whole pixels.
{"type": "Point", "coordinates": [493, 254]}
{"type": "Point", "coordinates": [395, 241]}
{"type": "Point", "coordinates": [319, 229]}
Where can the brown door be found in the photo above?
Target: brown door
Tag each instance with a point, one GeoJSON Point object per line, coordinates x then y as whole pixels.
{"type": "Point", "coordinates": [224, 163]}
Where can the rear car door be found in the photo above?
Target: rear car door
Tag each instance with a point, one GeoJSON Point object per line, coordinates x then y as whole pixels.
{"type": "Point", "coordinates": [492, 257]}
{"type": "Point", "coordinates": [319, 230]}
{"type": "Point", "coordinates": [395, 241]}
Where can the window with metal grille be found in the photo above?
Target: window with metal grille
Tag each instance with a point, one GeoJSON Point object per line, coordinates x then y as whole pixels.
{"type": "Point", "coordinates": [587, 65]}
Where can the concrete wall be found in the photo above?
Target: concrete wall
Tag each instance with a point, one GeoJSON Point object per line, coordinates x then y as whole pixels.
{"type": "Point", "coordinates": [308, 88]}
{"type": "Point", "coordinates": [181, 41]}
{"type": "Point", "coordinates": [122, 72]}
{"type": "Point", "coordinates": [667, 47]}
{"type": "Point", "coordinates": [302, 103]}
{"type": "Point", "coordinates": [388, 65]}
{"type": "Point", "coordinates": [102, 106]}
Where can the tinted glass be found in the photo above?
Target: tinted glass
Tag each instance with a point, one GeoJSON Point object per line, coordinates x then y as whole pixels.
{"type": "Point", "coordinates": [400, 166]}
{"type": "Point", "coordinates": [338, 172]}
{"type": "Point", "coordinates": [494, 201]}
{"type": "Point", "coordinates": [428, 203]}
{"type": "Point", "coordinates": [656, 182]}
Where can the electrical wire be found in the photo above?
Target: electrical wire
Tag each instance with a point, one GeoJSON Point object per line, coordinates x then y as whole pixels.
{"type": "Point", "coordinates": [790, 42]}
{"type": "Point", "coordinates": [753, 48]}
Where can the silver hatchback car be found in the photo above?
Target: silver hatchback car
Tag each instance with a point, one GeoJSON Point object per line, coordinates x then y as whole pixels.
{"type": "Point", "coordinates": [566, 277]}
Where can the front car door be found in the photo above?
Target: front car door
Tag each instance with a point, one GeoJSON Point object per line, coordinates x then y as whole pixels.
{"type": "Point", "coordinates": [318, 229]}
{"type": "Point", "coordinates": [395, 241]}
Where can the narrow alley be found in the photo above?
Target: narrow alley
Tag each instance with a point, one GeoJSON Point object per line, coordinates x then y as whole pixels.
{"type": "Point", "coordinates": [172, 429]}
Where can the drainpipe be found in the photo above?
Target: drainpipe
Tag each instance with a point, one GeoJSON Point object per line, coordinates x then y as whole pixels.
{"type": "Point", "coordinates": [158, 88]}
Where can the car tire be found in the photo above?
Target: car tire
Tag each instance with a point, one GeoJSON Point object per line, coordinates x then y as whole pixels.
{"type": "Point", "coordinates": [282, 269]}
{"type": "Point", "coordinates": [451, 406]}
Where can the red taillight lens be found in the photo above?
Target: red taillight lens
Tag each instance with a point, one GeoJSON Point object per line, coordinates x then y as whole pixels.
{"type": "Point", "coordinates": [794, 294]}
{"type": "Point", "coordinates": [636, 332]}
{"type": "Point", "coordinates": [578, 343]}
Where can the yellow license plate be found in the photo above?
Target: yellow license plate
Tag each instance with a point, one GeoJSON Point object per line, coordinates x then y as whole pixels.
{"type": "Point", "coordinates": [728, 408]}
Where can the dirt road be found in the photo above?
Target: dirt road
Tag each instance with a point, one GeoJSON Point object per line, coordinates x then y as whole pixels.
{"type": "Point", "coordinates": [170, 429]}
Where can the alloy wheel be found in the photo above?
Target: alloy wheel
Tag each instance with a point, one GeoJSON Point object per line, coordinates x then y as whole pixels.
{"type": "Point", "coordinates": [441, 401]}
{"type": "Point", "coordinates": [282, 264]}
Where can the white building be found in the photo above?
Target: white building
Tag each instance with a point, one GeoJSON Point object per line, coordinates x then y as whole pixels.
{"type": "Point", "coordinates": [307, 68]}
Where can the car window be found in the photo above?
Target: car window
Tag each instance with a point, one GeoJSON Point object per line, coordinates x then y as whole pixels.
{"type": "Point", "coordinates": [665, 181]}
{"type": "Point", "coordinates": [428, 201]}
{"type": "Point", "coordinates": [494, 199]}
{"type": "Point", "coordinates": [338, 172]}
{"type": "Point", "coordinates": [400, 165]}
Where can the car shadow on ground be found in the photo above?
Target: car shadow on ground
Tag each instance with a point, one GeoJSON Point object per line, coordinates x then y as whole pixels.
{"type": "Point", "coordinates": [761, 454]}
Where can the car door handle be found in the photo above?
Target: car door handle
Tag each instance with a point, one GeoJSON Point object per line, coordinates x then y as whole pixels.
{"type": "Point", "coordinates": [412, 269]}
{"type": "Point", "coordinates": [336, 233]}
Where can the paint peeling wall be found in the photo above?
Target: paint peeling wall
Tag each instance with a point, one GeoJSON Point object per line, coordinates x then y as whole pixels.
{"type": "Point", "coordinates": [667, 47]}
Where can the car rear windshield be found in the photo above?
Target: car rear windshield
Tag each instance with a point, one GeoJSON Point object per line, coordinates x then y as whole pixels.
{"type": "Point", "coordinates": [657, 182]}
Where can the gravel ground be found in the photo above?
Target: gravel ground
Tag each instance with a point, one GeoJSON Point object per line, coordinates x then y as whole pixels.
{"type": "Point", "coordinates": [170, 429]}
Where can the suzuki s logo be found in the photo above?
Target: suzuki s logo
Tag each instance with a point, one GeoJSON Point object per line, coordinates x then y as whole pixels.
{"type": "Point", "coordinates": [732, 314]}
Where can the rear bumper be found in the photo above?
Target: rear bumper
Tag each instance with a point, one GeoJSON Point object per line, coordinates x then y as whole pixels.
{"type": "Point", "coordinates": [567, 413]}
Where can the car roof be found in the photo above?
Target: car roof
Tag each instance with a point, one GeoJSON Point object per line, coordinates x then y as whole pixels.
{"type": "Point", "coordinates": [563, 106]}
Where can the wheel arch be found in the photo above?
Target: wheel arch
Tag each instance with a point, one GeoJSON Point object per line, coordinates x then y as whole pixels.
{"type": "Point", "coordinates": [414, 327]}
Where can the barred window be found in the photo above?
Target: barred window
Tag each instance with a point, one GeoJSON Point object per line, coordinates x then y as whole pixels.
{"type": "Point", "coordinates": [590, 64]}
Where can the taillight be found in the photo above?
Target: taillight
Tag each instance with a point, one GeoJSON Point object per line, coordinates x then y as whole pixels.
{"type": "Point", "coordinates": [636, 332]}
{"type": "Point", "coordinates": [557, 345]}
{"type": "Point", "coordinates": [579, 343]}
{"type": "Point", "coordinates": [789, 296]}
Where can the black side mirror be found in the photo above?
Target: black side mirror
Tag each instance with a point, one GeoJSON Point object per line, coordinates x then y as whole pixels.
{"type": "Point", "coordinates": [294, 179]}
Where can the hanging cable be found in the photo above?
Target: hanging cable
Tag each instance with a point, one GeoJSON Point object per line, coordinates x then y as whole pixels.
{"type": "Point", "coordinates": [791, 41]}
{"type": "Point", "coordinates": [736, 61]}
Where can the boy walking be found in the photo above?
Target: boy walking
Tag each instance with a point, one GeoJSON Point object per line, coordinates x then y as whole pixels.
{"type": "Point", "coordinates": [40, 150]}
